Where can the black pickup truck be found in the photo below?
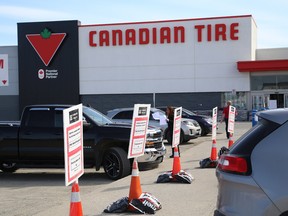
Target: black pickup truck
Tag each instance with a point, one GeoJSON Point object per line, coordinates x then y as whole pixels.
{"type": "Point", "coordinates": [37, 141]}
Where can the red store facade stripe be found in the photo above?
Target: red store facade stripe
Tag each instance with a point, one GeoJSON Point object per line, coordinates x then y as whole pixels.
{"type": "Point", "coordinates": [262, 65]}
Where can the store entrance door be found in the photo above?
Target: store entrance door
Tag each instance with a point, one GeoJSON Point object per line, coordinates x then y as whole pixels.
{"type": "Point", "coordinates": [260, 101]}
{"type": "Point", "coordinates": [279, 98]}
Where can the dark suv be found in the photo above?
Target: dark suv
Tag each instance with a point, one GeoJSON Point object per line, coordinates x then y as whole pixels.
{"type": "Point", "coordinates": [205, 122]}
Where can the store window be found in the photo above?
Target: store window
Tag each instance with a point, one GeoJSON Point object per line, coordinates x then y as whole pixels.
{"type": "Point", "coordinates": [239, 99]}
{"type": "Point", "coordinates": [269, 82]}
{"type": "Point", "coordinates": [260, 101]}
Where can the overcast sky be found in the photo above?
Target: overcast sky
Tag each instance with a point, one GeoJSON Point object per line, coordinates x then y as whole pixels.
{"type": "Point", "coordinates": [270, 16]}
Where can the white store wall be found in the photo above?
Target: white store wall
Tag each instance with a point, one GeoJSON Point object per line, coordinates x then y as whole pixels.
{"type": "Point", "coordinates": [192, 66]}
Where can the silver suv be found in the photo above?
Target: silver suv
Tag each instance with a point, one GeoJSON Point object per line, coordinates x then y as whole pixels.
{"type": "Point", "coordinates": [190, 129]}
{"type": "Point", "coordinates": [252, 174]}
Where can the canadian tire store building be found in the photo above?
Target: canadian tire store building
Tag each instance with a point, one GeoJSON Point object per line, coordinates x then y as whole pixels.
{"type": "Point", "coordinates": [194, 63]}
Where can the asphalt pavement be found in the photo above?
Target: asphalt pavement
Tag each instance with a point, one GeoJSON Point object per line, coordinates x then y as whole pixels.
{"type": "Point", "coordinates": [198, 198]}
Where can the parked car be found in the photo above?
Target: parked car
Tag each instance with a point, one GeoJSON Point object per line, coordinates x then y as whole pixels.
{"type": "Point", "coordinates": [190, 129]}
{"type": "Point", "coordinates": [37, 141]}
{"type": "Point", "coordinates": [204, 121]}
{"type": "Point", "coordinates": [252, 175]}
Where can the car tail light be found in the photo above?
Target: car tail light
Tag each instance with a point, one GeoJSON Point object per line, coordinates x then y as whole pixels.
{"type": "Point", "coordinates": [231, 163]}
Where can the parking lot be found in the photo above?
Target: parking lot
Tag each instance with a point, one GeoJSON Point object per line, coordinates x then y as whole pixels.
{"type": "Point", "coordinates": [42, 192]}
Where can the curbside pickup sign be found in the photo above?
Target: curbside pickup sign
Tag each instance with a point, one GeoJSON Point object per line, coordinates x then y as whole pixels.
{"type": "Point", "coordinates": [231, 119]}
{"type": "Point", "coordinates": [214, 122]}
{"type": "Point", "coordinates": [139, 130]}
{"type": "Point", "coordinates": [73, 143]}
{"type": "Point", "coordinates": [177, 127]}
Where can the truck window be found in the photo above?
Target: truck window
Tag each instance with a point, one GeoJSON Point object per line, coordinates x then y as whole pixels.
{"type": "Point", "coordinates": [58, 121]}
{"type": "Point", "coordinates": [124, 115]}
{"type": "Point", "coordinates": [39, 118]}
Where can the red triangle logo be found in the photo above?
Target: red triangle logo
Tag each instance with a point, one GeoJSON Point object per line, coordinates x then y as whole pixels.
{"type": "Point", "coordinates": [46, 47]}
{"type": "Point", "coordinates": [4, 81]}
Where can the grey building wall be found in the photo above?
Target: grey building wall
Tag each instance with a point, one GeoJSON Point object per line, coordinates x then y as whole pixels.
{"type": "Point", "coordinates": [203, 103]}
{"type": "Point", "coordinates": [105, 102]}
{"type": "Point", "coordinates": [9, 108]}
{"type": "Point", "coordinates": [191, 101]}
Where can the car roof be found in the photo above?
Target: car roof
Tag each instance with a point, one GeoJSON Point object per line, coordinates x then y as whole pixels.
{"type": "Point", "coordinates": [112, 113]}
{"type": "Point", "coordinates": [131, 108]}
{"type": "Point", "coordinates": [279, 116]}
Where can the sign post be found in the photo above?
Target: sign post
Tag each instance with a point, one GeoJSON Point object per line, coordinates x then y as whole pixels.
{"type": "Point", "coordinates": [231, 122]}
{"type": "Point", "coordinates": [214, 123]}
{"type": "Point", "coordinates": [137, 145]}
{"type": "Point", "coordinates": [73, 143]}
{"type": "Point", "coordinates": [177, 127]}
{"type": "Point", "coordinates": [231, 119]}
{"type": "Point", "coordinates": [138, 131]}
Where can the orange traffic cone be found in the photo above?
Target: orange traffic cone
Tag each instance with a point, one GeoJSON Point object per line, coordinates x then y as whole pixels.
{"type": "Point", "coordinates": [213, 156]}
{"type": "Point", "coordinates": [176, 162]}
{"type": "Point", "coordinates": [75, 205]}
{"type": "Point", "coordinates": [135, 186]}
{"type": "Point", "coordinates": [230, 143]}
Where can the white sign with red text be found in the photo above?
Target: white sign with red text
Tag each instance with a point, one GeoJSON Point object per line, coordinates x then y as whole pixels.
{"type": "Point", "coordinates": [214, 123]}
{"type": "Point", "coordinates": [177, 126]}
{"type": "Point", "coordinates": [139, 130]}
{"type": "Point", "coordinates": [73, 143]}
{"type": "Point", "coordinates": [231, 119]}
{"type": "Point", "coordinates": [143, 52]}
{"type": "Point", "coordinates": [4, 81]}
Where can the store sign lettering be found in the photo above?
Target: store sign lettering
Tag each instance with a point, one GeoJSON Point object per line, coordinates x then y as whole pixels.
{"type": "Point", "coordinates": [217, 32]}
{"type": "Point", "coordinates": [140, 36]}
{"type": "Point", "coordinates": [163, 35]}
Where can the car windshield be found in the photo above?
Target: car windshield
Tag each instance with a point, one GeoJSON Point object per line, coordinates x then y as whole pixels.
{"type": "Point", "coordinates": [96, 116]}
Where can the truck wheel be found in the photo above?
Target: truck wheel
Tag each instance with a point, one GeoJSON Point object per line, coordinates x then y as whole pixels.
{"type": "Point", "coordinates": [8, 167]}
{"type": "Point", "coordinates": [116, 164]}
